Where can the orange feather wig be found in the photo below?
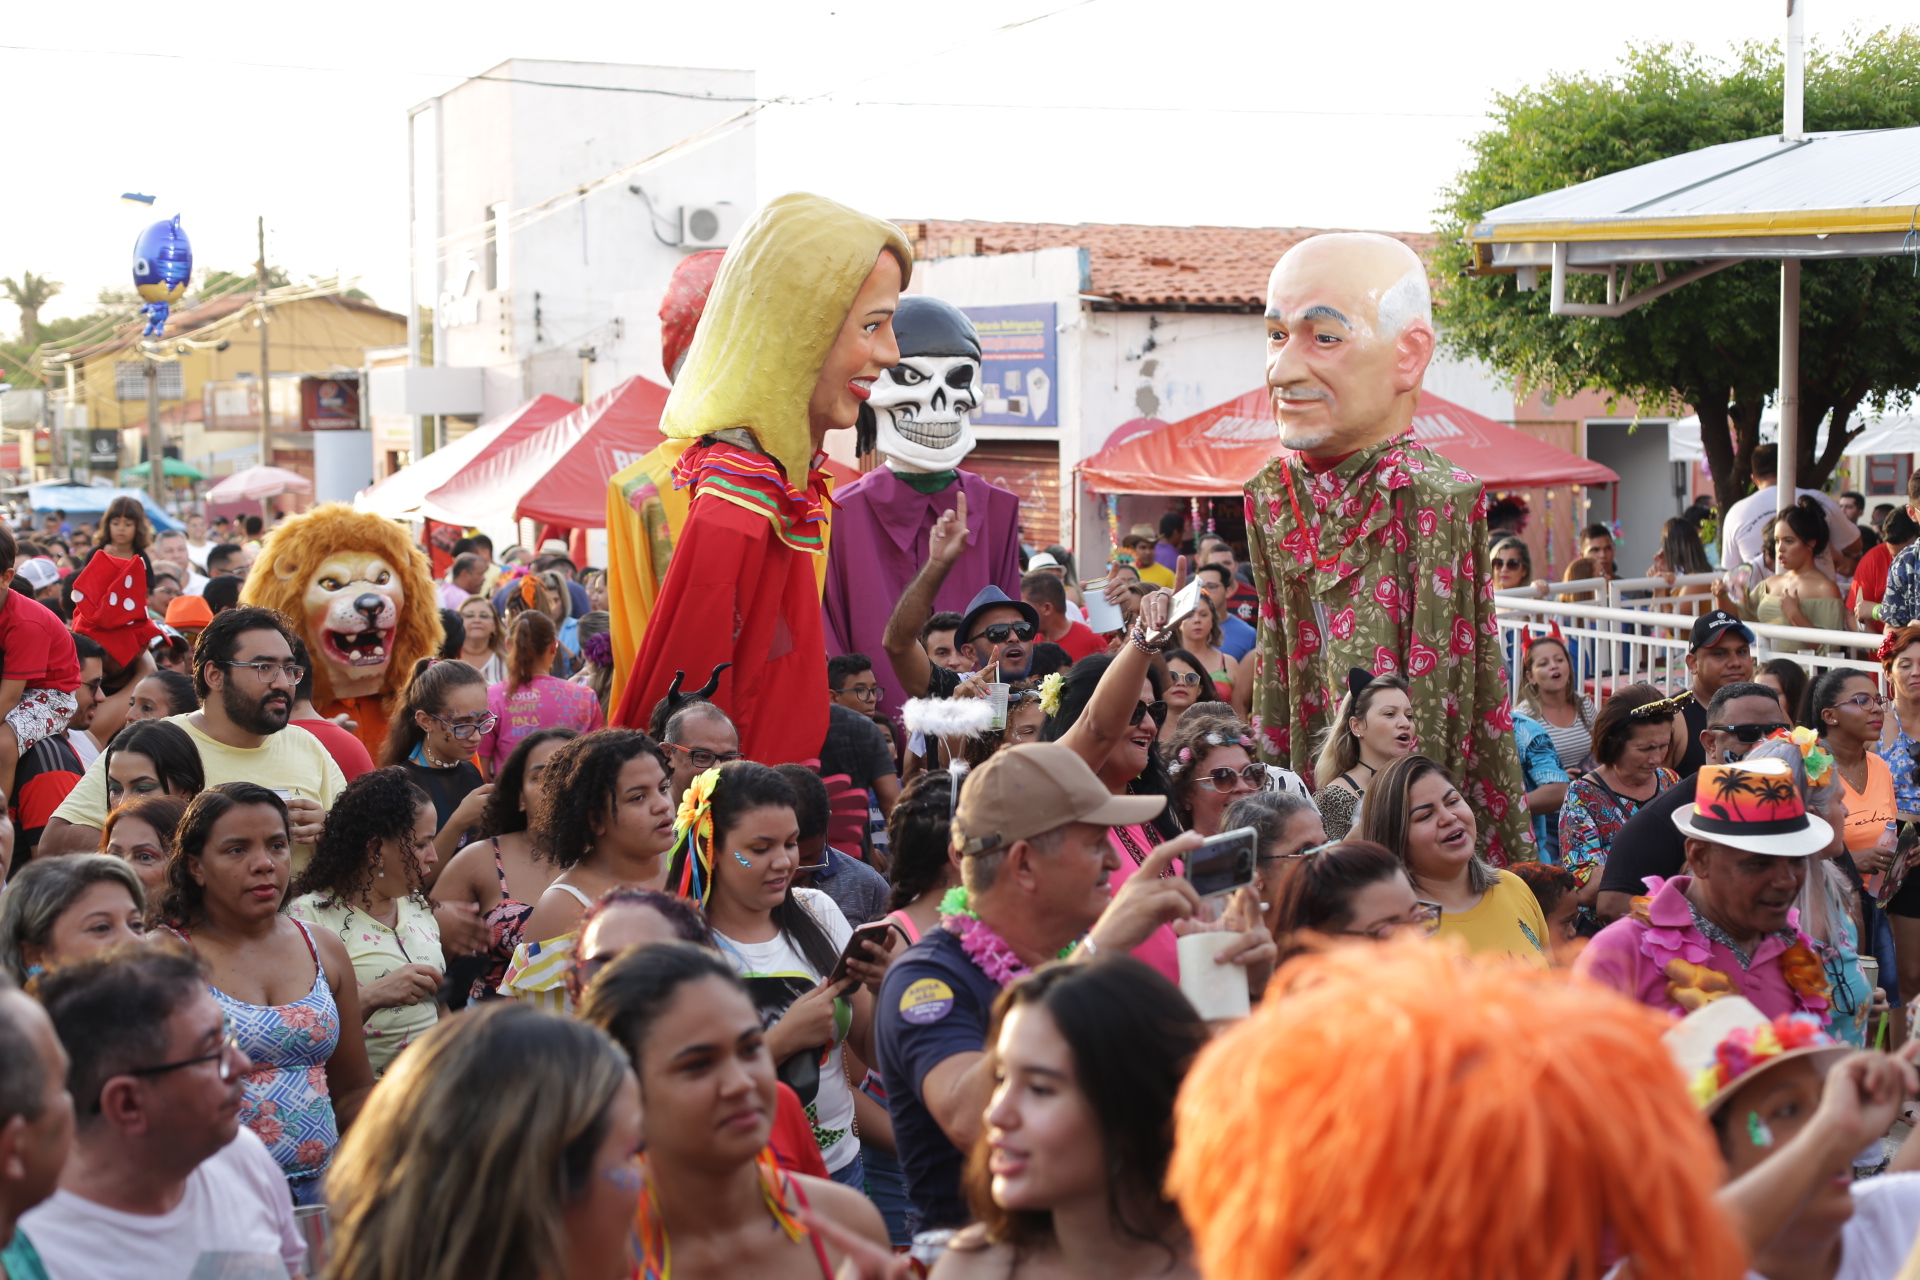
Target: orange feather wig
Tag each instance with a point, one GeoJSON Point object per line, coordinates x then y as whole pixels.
{"type": "Point", "coordinates": [1404, 1111]}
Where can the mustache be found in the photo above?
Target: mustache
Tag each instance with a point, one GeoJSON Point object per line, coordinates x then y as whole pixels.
{"type": "Point", "coordinates": [1299, 391]}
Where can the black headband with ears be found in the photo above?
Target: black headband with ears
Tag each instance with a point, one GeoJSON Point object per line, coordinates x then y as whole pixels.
{"type": "Point", "coordinates": [676, 699]}
{"type": "Point", "coordinates": [1358, 678]}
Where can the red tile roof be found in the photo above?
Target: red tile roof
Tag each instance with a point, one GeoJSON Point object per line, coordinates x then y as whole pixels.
{"type": "Point", "coordinates": [1204, 268]}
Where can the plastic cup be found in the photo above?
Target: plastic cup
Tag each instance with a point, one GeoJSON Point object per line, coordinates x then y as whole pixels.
{"type": "Point", "coordinates": [997, 699]}
{"type": "Point", "coordinates": [315, 1226]}
{"type": "Point", "coordinates": [1214, 990]}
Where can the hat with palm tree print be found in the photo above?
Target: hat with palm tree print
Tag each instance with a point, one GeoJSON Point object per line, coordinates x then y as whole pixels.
{"type": "Point", "coordinates": [1753, 805]}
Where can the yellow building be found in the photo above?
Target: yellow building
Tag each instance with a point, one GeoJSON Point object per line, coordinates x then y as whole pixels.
{"type": "Point", "coordinates": [210, 404]}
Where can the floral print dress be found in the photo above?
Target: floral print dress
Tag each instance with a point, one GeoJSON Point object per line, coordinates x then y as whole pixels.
{"type": "Point", "coordinates": [1592, 815]}
{"type": "Point", "coordinates": [287, 1103]}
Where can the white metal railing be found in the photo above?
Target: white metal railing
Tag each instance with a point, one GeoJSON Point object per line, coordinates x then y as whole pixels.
{"type": "Point", "coordinates": [1616, 646]}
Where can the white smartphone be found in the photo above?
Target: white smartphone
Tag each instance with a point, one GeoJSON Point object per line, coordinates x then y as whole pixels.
{"type": "Point", "coordinates": [1185, 602]}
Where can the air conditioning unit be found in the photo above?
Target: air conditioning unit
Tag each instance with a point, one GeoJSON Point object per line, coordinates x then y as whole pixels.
{"type": "Point", "coordinates": [708, 226]}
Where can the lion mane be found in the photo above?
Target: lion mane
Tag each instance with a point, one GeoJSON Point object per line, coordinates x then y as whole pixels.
{"type": "Point", "coordinates": [292, 552]}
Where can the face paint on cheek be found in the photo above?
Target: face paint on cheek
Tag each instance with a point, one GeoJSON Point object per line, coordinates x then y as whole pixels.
{"type": "Point", "coordinates": [741, 858]}
{"type": "Point", "coordinates": [1757, 1132]}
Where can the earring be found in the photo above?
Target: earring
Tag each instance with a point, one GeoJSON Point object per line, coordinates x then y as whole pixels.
{"type": "Point", "coordinates": [741, 858]}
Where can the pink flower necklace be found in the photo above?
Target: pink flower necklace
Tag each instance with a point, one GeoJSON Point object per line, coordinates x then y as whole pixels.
{"type": "Point", "coordinates": [987, 949]}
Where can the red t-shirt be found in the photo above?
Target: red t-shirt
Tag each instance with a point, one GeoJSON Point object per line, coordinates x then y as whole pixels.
{"type": "Point", "coordinates": [346, 750]}
{"type": "Point", "coordinates": [1080, 642]}
{"type": "Point", "coordinates": [36, 645]}
{"type": "Point", "coordinates": [792, 1140]}
{"type": "Point", "coordinates": [1870, 576]}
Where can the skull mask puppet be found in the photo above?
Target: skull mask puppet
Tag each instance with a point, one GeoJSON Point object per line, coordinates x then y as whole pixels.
{"type": "Point", "coordinates": [920, 406]}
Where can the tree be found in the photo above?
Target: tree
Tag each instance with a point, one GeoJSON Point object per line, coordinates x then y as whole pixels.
{"type": "Point", "coordinates": [1713, 344]}
{"type": "Point", "coordinates": [30, 293]}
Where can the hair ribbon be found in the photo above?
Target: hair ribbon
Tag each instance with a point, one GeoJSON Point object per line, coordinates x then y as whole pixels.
{"type": "Point", "coordinates": [693, 830]}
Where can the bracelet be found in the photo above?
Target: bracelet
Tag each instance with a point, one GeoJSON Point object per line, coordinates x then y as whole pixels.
{"type": "Point", "coordinates": [1086, 950]}
{"type": "Point", "coordinates": [1137, 637]}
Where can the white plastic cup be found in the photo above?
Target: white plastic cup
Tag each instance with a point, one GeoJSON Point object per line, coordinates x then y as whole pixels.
{"type": "Point", "coordinates": [1215, 990]}
{"type": "Point", "coordinates": [997, 699]}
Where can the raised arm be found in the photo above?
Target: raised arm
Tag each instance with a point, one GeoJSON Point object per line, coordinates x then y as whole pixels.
{"type": "Point", "coordinates": [1108, 712]}
{"type": "Point", "coordinates": [945, 545]}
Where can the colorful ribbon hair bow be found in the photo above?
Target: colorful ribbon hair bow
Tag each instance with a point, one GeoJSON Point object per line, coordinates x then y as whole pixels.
{"type": "Point", "coordinates": [692, 851]}
{"type": "Point", "coordinates": [527, 590]}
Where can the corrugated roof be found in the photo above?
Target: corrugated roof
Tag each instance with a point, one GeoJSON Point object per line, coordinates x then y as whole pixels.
{"type": "Point", "coordinates": [1132, 265]}
{"type": "Point", "coordinates": [1847, 183]}
{"type": "Point", "coordinates": [195, 315]}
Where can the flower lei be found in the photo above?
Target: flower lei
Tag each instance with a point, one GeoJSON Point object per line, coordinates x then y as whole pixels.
{"type": "Point", "coordinates": [987, 949]}
{"type": "Point", "coordinates": [1673, 942]}
{"type": "Point", "coordinates": [693, 832]}
{"type": "Point", "coordinates": [1050, 686]}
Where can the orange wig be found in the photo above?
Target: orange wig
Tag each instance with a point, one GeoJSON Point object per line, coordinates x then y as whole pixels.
{"type": "Point", "coordinates": [1401, 1110]}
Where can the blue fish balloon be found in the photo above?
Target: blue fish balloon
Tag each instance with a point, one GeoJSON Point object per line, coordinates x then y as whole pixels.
{"type": "Point", "coordinates": [162, 262]}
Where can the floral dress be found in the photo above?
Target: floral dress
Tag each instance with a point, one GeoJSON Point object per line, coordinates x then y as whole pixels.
{"type": "Point", "coordinates": [1900, 756]}
{"type": "Point", "coordinates": [286, 1101]}
{"type": "Point", "coordinates": [1592, 815]}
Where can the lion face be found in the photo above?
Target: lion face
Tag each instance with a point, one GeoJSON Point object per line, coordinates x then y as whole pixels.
{"type": "Point", "coordinates": [353, 601]}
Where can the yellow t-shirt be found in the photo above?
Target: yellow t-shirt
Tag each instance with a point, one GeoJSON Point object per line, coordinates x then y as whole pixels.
{"type": "Point", "coordinates": [291, 760]}
{"type": "Point", "coordinates": [1158, 574]}
{"type": "Point", "coordinates": [1507, 919]}
{"type": "Point", "coordinates": [377, 951]}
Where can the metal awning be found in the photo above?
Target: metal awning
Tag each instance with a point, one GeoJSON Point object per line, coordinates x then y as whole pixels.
{"type": "Point", "coordinates": [1826, 195]}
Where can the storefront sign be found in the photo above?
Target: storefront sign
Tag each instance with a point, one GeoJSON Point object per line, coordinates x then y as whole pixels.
{"type": "Point", "coordinates": [1017, 365]}
{"type": "Point", "coordinates": [103, 450]}
{"type": "Point", "coordinates": [329, 404]}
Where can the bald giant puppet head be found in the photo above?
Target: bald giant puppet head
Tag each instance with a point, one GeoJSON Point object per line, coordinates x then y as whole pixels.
{"type": "Point", "coordinates": [1349, 336]}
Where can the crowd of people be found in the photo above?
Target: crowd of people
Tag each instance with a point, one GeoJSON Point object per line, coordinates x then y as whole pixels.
{"type": "Point", "coordinates": [276, 1004]}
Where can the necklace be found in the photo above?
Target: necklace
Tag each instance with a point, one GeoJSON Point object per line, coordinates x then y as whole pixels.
{"type": "Point", "coordinates": [989, 952]}
{"type": "Point", "coordinates": [434, 761]}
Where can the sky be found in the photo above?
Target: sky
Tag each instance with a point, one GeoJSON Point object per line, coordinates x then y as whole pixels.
{"type": "Point", "coordinates": [1222, 112]}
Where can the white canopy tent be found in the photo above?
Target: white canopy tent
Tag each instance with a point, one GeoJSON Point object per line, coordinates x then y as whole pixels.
{"type": "Point", "coordinates": [1893, 433]}
{"type": "Point", "coordinates": [1799, 195]}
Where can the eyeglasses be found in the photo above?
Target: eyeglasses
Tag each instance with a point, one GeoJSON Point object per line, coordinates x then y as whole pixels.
{"type": "Point", "coordinates": [225, 1054]}
{"type": "Point", "coordinates": [864, 692]}
{"type": "Point", "coordinates": [1864, 701]}
{"type": "Point", "coordinates": [702, 759]}
{"type": "Point", "coordinates": [1158, 710]}
{"type": "Point", "coordinates": [266, 671]}
{"type": "Point", "coordinates": [999, 631]}
{"type": "Point", "coordinates": [1184, 677]}
{"type": "Point", "coordinates": [1224, 779]}
{"type": "Point", "coordinates": [1425, 920]}
{"type": "Point", "coordinates": [470, 728]}
{"type": "Point", "coordinates": [1749, 733]}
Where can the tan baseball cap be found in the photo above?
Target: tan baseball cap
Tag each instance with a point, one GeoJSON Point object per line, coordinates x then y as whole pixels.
{"type": "Point", "coordinates": [1022, 792]}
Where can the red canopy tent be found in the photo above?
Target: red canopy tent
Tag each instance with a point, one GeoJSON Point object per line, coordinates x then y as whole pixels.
{"type": "Point", "coordinates": [1214, 453]}
{"type": "Point", "coordinates": [402, 494]}
{"type": "Point", "coordinates": [558, 475]}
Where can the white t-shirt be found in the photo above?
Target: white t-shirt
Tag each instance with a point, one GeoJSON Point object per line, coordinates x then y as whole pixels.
{"type": "Point", "coordinates": [1747, 521]}
{"type": "Point", "coordinates": [83, 746]}
{"type": "Point", "coordinates": [197, 553]}
{"type": "Point", "coordinates": [234, 1222]}
{"type": "Point", "coordinates": [777, 974]}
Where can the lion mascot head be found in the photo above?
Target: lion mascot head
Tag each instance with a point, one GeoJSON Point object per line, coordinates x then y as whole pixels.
{"type": "Point", "coordinates": [361, 596]}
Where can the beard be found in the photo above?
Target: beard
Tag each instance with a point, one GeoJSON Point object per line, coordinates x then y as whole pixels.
{"type": "Point", "coordinates": [266, 714]}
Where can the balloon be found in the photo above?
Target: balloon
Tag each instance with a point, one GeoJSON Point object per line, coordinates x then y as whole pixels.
{"type": "Point", "coordinates": [162, 262]}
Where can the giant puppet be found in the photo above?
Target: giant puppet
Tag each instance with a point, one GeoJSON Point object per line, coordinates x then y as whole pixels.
{"type": "Point", "coordinates": [797, 329]}
{"type": "Point", "coordinates": [881, 522]}
{"type": "Point", "coordinates": [361, 597]}
{"type": "Point", "coordinates": [1370, 550]}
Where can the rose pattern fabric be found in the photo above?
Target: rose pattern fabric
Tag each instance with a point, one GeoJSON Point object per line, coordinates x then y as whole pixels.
{"type": "Point", "coordinates": [1396, 564]}
{"type": "Point", "coordinates": [286, 1102]}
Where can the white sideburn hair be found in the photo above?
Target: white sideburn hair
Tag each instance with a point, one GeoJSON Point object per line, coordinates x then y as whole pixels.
{"type": "Point", "coordinates": [1408, 300]}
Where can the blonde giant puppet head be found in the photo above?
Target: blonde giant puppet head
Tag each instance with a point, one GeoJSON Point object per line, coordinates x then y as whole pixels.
{"type": "Point", "coordinates": [1349, 337]}
{"type": "Point", "coordinates": [357, 591]}
{"type": "Point", "coordinates": [797, 329]}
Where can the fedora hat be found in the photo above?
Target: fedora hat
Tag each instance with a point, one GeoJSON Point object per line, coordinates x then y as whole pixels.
{"type": "Point", "coordinates": [1753, 805]}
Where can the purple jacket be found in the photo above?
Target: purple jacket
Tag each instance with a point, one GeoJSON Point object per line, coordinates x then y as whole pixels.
{"type": "Point", "coordinates": [879, 541]}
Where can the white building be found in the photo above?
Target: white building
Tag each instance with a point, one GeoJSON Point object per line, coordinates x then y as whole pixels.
{"type": "Point", "coordinates": [549, 210]}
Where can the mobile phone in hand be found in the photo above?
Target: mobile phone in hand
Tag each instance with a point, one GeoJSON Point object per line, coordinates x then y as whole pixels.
{"type": "Point", "coordinates": [866, 939]}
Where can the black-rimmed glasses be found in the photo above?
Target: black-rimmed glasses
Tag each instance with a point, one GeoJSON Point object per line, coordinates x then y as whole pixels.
{"type": "Point", "coordinates": [226, 1054]}
{"type": "Point", "coordinates": [701, 758]}
{"type": "Point", "coordinates": [1000, 631]}
{"type": "Point", "coordinates": [1748, 733]}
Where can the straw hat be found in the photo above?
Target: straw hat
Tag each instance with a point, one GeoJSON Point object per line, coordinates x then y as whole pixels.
{"type": "Point", "coordinates": [1753, 805]}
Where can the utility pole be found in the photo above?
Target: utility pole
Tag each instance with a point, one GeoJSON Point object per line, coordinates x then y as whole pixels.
{"type": "Point", "coordinates": [156, 442]}
{"type": "Point", "coordinates": [266, 386]}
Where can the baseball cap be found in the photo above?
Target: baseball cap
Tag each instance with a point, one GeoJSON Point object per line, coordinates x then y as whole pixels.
{"type": "Point", "coordinates": [40, 573]}
{"type": "Point", "coordinates": [1021, 792]}
{"type": "Point", "coordinates": [1711, 626]}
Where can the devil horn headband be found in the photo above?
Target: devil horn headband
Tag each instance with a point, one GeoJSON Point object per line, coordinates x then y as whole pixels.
{"type": "Point", "coordinates": [676, 699]}
{"type": "Point", "coordinates": [1551, 633]}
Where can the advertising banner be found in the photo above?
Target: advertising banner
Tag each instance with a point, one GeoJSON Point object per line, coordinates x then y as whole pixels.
{"type": "Point", "coordinates": [1018, 355]}
{"type": "Point", "coordinates": [329, 404]}
{"type": "Point", "coordinates": [103, 450]}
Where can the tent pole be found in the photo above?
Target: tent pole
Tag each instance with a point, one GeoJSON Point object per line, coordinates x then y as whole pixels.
{"type": "Point", "coordinates": [1789, 383]}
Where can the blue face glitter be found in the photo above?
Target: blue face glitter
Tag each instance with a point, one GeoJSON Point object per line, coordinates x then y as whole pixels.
{"type": "Point", "coordinates": [741, 858]}
{"type": "Point", "coordinates": [1757, 1131]}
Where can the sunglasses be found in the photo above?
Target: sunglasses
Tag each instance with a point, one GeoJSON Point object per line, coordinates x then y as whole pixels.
{"type": "Point", "coordinates": [999, 632]}
{"type": "Point", "coordinates": [1184, 677]}
{"type": "Point", "coordinates": [1158, 710]}
{"type": "Point", "coordinates": [1508, 564]}
{"type": "Point", "coordinates": [1749, 732]}
{"type": "Point", "coordinates": [1224, 779]}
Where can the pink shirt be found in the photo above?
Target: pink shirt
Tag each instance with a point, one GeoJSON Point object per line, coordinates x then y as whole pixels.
{"type": "Point", "coordinates": [1633, 957]}
{"type": "Point", "coordinates": [1161, 949]}
{"type": "Point", "coordinates": [547, 703]}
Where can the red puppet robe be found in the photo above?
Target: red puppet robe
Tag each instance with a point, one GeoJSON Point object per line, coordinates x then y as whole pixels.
{"type": "Point", "coordinates": [749, 540]}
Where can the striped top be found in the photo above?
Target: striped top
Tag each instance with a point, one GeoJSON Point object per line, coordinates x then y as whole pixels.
{"type": "Point", "coordinates": [1572, 743]}
{"type": "Point", "coordinates": [755, 481]}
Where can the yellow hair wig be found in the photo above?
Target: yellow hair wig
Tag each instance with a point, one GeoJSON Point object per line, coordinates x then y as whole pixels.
{"type": "Point", "coordinates": [291, 553]}
{"type": "Point", "coordinates": [1406, 1111]}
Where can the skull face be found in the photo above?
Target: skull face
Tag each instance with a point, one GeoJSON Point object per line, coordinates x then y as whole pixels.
{"type": "Point", "coordinates": [921, 407]}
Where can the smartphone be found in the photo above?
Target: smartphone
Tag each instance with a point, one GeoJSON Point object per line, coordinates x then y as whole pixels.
{"type": "Point", "coordinates": [1222, 863]}
{"type": "Point", "coordinates": [1185, 601]}
{"type": "Point", "coordinates": [860, 946]}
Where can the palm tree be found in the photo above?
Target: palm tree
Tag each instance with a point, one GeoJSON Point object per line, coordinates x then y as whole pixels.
{"type": "Point", "coordinates": [1775, 792]}
{"type": "Point", "coordinates": [30, 293]}
{"type": "Point", "coordinates": [1732, 782]}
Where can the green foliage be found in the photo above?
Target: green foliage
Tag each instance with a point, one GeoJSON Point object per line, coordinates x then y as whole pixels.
{"type": "Point", "coordinates": [1713, 344]}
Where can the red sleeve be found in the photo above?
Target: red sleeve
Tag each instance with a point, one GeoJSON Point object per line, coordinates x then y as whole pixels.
{"type": "Point", "coordinates": [792, 1137]}
{"type": "Point", "coordinates": [347, 751]}
{"type": "Point", "coordinates": [39, 796]}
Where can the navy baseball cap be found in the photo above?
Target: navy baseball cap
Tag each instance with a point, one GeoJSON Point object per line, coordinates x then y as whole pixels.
{"type": "Point", "coordinates": [1710, 627]}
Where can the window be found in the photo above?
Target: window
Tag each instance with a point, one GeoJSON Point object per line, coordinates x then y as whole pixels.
{"type": "Point", "coordinates": [495, 266]}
